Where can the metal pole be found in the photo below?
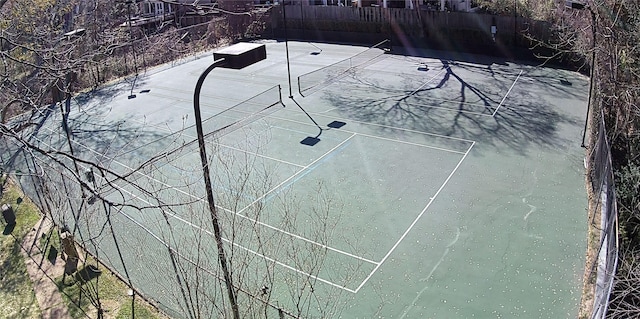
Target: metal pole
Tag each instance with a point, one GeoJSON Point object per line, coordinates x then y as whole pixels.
{"type": "Point", "coordinates": [209, 190]}
{"type": "Point", "coordinates": [593, 65]}
{"type": "Point", "coordinates": [286, 45]}
{"type": "Point", "coordinates": [133, 48]}
{"type": "Point", "coordinates": [515, 22]}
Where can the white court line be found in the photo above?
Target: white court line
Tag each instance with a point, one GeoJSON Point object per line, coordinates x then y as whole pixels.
{"type": "Point", "coordinates": [237, 245]}
{"type": "Point", "coordinates": [416, 131]}
{"type": "Point", "coordinates": [415, 220]}
{"type": "Point", "coordinates": [379, 137]}
{"type": "Point", "coordinates": [505, 96]}
{"type": "Point", "coordinates": [428, 81]}
{"type": "Point", "coordinates": [193, 138]}
{"type": "Point", "coordinates": [249, 250]}
{"type": "Point", "coordinates": [455, 110]}
{"type": "Point", "coordinates": [239, 213]}
{"type": "Point", "coordinates": [377, 125]}
{"type": "Point", "coordinates": [411, 143]}
{"type": "Point", "coordinates": [378, 264]}
{"type": "Point", "coordinates": [297, 173]}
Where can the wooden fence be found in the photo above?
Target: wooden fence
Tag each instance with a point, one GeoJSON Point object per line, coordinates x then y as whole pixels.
{"type": "Point", "coordinates": [431, 28]}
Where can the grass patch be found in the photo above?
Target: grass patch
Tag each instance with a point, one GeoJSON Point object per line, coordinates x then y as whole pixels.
{"type": "Point", "coordinates": [17, 299]}
{"type": "Point", "coordinates": [593, 244]}
{"type": "Point", "coordinates": [51, 243]}
{"type": "Point", "coordinates": [94, 287]}
{"type": "Point", "coordinates": [142, 311]}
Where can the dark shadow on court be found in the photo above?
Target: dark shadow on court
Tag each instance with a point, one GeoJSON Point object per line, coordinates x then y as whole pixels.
{"type": "Point", "coordinates": [336, 124]}
{"type": "Point", "coordinates": [524, 119]}
{"type": "Point", "coordinates": [313, 140]}
{"type": "Point", "coordinates": [309, 140]}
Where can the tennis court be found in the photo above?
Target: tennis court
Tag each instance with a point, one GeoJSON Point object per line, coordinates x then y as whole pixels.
{"type": "Point", "coordinates": [431, 187]}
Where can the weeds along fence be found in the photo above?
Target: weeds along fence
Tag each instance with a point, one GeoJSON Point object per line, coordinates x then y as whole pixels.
{"type": "Point", "coordinates": [141, 212]}
{"type": "Point", "coordinates": [135, 50]}
{"type": "Point", "coordinates": [603, 269]}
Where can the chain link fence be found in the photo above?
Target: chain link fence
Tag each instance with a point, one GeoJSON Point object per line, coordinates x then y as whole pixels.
{"type": "Point", "coordinates": [603, 269]}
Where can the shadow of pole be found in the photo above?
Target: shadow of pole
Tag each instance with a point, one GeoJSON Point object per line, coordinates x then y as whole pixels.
{"type": "Point", "coordinates": [309, 140]}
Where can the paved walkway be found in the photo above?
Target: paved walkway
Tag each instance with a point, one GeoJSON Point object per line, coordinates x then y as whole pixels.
{"type": "Point", "coordinates": [42, 272]}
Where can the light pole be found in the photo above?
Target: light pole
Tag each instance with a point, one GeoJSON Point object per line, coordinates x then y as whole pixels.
{"type": "Point", "coordinates": [583, 6]}
{"type": "Point", "coordinates": [236, 56]}
{"type": "Point", "coordinates": [286, 44]}
{"type": "Point", "coordinates": [209, 190]}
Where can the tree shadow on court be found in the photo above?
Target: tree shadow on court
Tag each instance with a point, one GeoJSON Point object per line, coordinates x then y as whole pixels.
{"type": "Point", "coordinates": [43, 154]}
{"type": "Point", "coordinates": [102, 96]}
{"type": "Point", "coordinates": [531, 121]}
{"type": "Point", "coordinates": [558, 83]}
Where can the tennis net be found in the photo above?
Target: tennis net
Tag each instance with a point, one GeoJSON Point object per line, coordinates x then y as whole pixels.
{"type": "Point", "coordinates": [244, 113]}
{"type": "Point", "coordinates": [220, 124]}
{"type": "Point", "coordinates": [313, 81]}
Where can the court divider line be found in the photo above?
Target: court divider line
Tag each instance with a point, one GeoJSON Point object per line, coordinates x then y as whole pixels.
{"type": "Point", "coordinates": [211, 272]}
{"type": "Point", "coordinates": [416, 131]}
{"type": "Point", "coordinates": [454, 110]}
{"type": "Point", "coordinates": [233, 243]}
{"type": "Point", "coordinates": [363, 134]}
{"type": "Point", "coordinates": [411, 143]}
{"type": "Point", "coordinates": [222, 145]}
{"type": "Point", "coordinates": [378, 125]}
{"type": "Point", "coordinates": [428, 81]}
{"type": "Point", "coordinates": [239, 213]}
{"type": "Point", "coordinates": [505, 96]}
{"type": "Point", "coordinates": [415, 221]}
{"type": "Point", "coordinates": [230, 242]}
{"type": "Point", "coordinates": [384, 126]}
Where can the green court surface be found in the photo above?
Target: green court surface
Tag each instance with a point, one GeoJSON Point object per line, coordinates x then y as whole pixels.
{"type": "Point", "coordinates": [433, 187]}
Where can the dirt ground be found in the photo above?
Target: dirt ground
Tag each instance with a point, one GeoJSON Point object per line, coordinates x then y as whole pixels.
{"type": "Point", "coordinates": [42, 272]}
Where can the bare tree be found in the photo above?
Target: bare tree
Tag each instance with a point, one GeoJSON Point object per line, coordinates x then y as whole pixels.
{"type": "Point", "coordinates": [277, 244]}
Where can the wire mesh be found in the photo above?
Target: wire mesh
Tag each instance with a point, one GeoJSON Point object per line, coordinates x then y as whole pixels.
{"type": "Point", "coordinates": [603, 187]}
{"type": "Point", "coordinates": [152, 227]}
{"type": "Point", "coordinates": [311, 82]}
{"type": "Point", "coordinates": [243, 113]}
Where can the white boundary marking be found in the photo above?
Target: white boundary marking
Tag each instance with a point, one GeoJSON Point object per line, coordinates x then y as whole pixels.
{"type": "Point", "coordinates": [232, 243]}
{"type": "Point", "coordinates": [454, 110]}
{"type": "Point", "coordinates": [377, 125]}
{"type": "Point", "coordinates": [191, 137]}
{"type": "Point", "coordinates": [428, 81]}
{"type": "Point", "coordinates": [304, 168]}
{"type": "Point", "coordinates": [386, 138]}
{"type": "Point", "coordinates": [505, 96]}
{"type": "Point", "coordinates": [415, 220]}
{"type": "Point", "coordinates": [411, 143]}
{"type": "Point", "coordinates": [239, 213]}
